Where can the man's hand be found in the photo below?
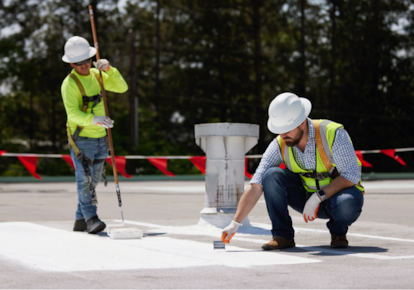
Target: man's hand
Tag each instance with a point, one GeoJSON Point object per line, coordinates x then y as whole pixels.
{"type": "Point", "coordinates": [230, 231]}
{"type": "Point", "coordinates": [311, 208]}
{"type": "Point", "coordinates": [102, 64]}
{"type": "Point", "coordinates": [103, 121]}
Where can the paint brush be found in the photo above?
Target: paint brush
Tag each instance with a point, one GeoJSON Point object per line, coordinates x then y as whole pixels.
{"type": "Point", "coordinates": [219, 245]}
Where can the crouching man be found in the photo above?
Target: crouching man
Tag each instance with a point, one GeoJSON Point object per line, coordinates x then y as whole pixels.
{"type": "Point", "coordinates": [322, 178]}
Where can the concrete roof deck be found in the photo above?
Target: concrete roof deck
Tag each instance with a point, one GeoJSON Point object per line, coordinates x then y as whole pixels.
{"type": "Point", "coordinates": [38, 248]}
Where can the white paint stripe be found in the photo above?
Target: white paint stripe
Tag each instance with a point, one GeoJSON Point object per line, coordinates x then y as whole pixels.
{"type": "Point", "coordinates": [360, 235]}
{"type": "Point", "coordinates": [268, 227]}
{"type": "Point", "coordinates": [58, 250]}
{"type": "Point", "coordinates": [382, 238]}
{"type": "Point", "coordinates": [215, 232]}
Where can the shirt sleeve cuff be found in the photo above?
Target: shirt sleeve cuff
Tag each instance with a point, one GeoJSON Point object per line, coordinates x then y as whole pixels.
{"type": "Point", "coordinates": [256, 180]}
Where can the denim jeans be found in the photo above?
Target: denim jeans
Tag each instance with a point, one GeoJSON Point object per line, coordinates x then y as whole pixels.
{"type": "Point", "coordinates": [283, 187]}
{"type": "Point", "coordinates": [95, 150]}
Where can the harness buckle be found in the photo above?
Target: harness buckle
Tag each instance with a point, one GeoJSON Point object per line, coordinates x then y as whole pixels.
{"type": "Point", "coordinates": [316, 175]}
{"type": "Point", "coordinates": [320, 176]}
{"type": "Point", "coordinates": [79, 156]}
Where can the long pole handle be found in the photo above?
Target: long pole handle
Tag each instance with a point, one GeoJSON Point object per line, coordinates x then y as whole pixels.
{"type": "Point", "coordinates": [111, 149]}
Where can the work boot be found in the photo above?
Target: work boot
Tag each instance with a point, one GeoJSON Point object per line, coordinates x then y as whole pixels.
{"type": "Point", "coordinates": [94, 225]}
{"type": "Point", "coordinates": [339, 242]}
{"type": "Point", "coordinates": [278, 243]}
{"type": "Point", "coordinates": [80, 226]}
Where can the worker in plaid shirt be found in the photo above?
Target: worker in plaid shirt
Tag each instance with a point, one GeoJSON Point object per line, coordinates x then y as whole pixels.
{"type": "Point", "coordinates": [322, 178]}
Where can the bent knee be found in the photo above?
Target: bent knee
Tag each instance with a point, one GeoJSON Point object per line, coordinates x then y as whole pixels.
{"type": "Point", "coordinates": [273, 173]}
{"type": "Point", "coordinates": [348, 207]}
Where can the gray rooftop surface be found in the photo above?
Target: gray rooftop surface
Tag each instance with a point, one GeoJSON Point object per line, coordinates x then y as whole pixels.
{"type": "Point", "coordinates": [38, 248]}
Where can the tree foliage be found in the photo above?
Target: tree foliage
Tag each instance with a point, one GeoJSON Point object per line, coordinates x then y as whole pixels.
{"type": "Point", "coordinates": [211, 61]}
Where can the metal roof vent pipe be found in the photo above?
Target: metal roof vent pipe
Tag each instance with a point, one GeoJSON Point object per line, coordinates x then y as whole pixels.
{"type": "Point", "coordinates": [225, 145]}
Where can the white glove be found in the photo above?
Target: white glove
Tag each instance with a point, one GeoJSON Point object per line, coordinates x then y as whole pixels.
{"type": "Point", "coordinates": [311, 208]}
{"type": "Point", "coordinates": [230, 231]}
{"type": "Point", "coordinates": [102, 64]}
{"type": "Point", "coordinates": [103, 121]}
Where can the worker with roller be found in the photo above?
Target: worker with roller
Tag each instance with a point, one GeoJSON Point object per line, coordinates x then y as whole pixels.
{"type": "Point", "coordinates": [87, 121]}
{"type": "Point", "coordinates": [322, 178]}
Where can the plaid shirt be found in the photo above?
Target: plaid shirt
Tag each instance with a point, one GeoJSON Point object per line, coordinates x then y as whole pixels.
{"type": "Point", "coordinates": [342, 150]}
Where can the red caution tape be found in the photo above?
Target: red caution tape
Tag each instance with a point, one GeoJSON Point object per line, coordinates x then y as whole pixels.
{"type": "Point", "coordinates": [363, 162]}
{"type": "Point", "coordinates": [248, 175]}
{"type": "Point", "coordinates": [30, 163]}
{"type": "Point", "coordinates": [68, 160]}
{"type": "Point", "coordinates": [199, 162]}
{"type": "Point", "coordinates": [391, 153]}
{"type": "Point", "coordinates": [161, 164]}
{"type": "Point", "coordinates": [120, 163]}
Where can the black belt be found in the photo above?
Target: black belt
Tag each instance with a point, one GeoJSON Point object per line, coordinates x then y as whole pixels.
{"type": "Point", "coordinates": [333, 173]}
{"type": "Point", "coordinates": [316, 175]}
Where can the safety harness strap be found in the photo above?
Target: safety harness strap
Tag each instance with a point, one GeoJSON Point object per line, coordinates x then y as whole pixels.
{"type": "Point", "coordinates": [86, 100]}
{"type": "Point", "coordinates": [86, 162]}
{"type": "Point", "coordinates": [82, 91]}
{"type": "Point", "coordinates": [333, 172]}
{"type": "Point", "coordinates": [316, 175]}
{"type": "Point", "coordinates": [78, 83]}
{"type": "Point", "coordinates": [319, 146]}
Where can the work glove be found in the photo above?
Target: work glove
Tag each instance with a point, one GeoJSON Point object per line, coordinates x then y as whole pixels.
{"type": "Point", "coordinates": [102, 64]}
{"type": "Point", "coordinates": [230, 231]}
{"type": "Point", "coordinates": [103, 121]}
{"type": "Point", "coordinates": [311, 208]}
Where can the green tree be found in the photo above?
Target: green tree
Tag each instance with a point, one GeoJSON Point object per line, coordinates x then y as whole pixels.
{"type": "Point", "coordinates": [210, 61]}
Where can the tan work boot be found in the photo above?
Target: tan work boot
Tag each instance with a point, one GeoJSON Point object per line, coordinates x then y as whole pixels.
{"type": "Point", "coordinates": [278, 243]}
{"type": "Point", "coordinates": [339, 242]}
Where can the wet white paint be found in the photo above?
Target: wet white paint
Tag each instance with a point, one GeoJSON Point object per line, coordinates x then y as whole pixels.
{"type": "Point", "coordinates": [52, 249]}
{"type": "Point", "coordinates": [264, 229]}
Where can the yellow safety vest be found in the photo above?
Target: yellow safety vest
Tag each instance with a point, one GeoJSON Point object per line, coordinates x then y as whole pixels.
{"type": "Point", "coordinates": [325, 166]}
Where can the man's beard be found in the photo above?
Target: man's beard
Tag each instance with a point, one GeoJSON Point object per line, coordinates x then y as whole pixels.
{"type": "Point", "coordinates": [295, 141]}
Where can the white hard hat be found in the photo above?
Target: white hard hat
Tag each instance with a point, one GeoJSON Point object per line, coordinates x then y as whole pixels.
{"type": "Point", "coordinates": [77, 49]}
{"type": "Point", "coordinates": [286, 112]}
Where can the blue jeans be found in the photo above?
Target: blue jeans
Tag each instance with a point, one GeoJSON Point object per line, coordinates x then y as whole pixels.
{"type": "Point", "coordinates": [283, 187]}
{"type": "Point", "coordinates": [95, 150]}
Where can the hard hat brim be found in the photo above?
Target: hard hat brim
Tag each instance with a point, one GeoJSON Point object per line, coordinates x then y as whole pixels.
{"type": "Point", "coordinates": [307, 107]}
{"type": "Point", "coordinates": [89, 54]}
